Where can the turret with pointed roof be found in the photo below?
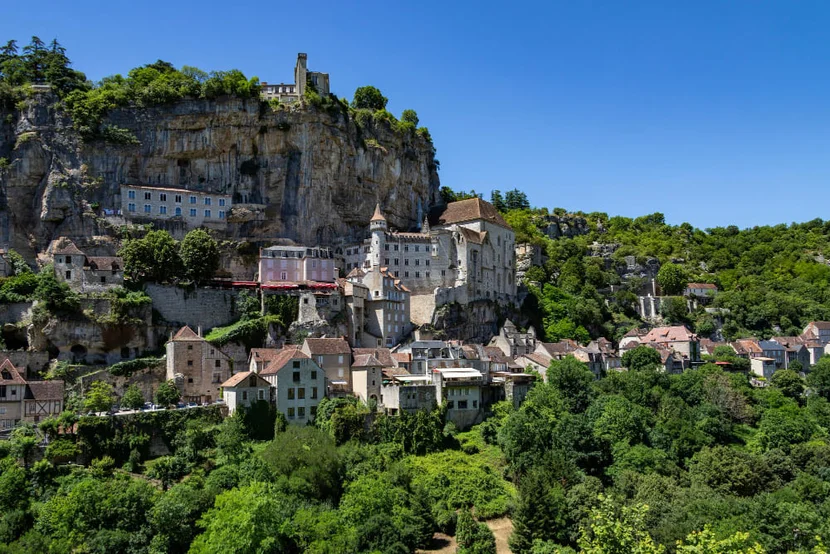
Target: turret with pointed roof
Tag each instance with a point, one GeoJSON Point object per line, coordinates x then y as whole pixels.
{"type": "Point", "coordinates": [378, 222]}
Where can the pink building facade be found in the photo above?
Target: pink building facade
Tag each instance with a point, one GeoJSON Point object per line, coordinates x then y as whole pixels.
{"type": "Point", "coordinates": [296, 264]}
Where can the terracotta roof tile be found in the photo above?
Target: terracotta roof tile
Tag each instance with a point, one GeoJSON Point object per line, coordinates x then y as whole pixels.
{"type": "Point", "coordinates": [45, 390]}
{"type": "Point", "coordinates": [675, 333]}
{"type": "Point", "coordinates": [186, 333]}
{"type": "Point", "coordinates": [366, 360]}
{"type": "Point", "coordinates": [328, 346]}
{"type": "Point", "coordinates": [240, 377]}
{"type": "Point", "coordinates": [9, 375]}
{"type": "Point", "coordinates": [383, 355]}
{"type": "Point", "coordinates": [285, 355]}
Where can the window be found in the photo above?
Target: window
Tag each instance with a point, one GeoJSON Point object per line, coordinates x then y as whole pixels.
{"type": "Point", "coordinates": [406, 274]}
{"type": "Point", "coordinates": [3, 390]}
{"type": "Point", "coordinates": [147, 208]}
{"type": "Point", "coordinates": [475, 403]}
{"type": "Point", "coordinates": [207, 213]}
{"type": "Point", "coordinates": [397, 261]}
{"type": "Point", "coordinates": [417, 274]}
{"type": "Point", "coordinates": [313, 393]}
{"type": "Point", "coordinates": [163, 196]}
{"type": "Point", "coordinates": [291, 413]}
{"type": "Point", "coordinates": [178, 199]}
{"type": "Point", "coordinates": [296, 377]}
{"type": "Point", "coordinates": [406, 248]}
{"type": "Point", "coordinates": [218, 363]}
{"type": "Point", "coordinates": [396, 248]}
{"type": "Point", "coordinates": [189, 363]}
{"type": "Point", "coordinates": [426, 274]}
{"type": "Point", "coordinates": [192, 199]}
{"type": "Point", "coordinates": [385, 261]}
{"type": "Point", "coordinates": [178, 211]}
{"type": "Point", "coordinates": [427, 262]}
{"type": "Point", "coordinates": [313, 411]}
{"type": "Point", "coordinates": [301, 411]}
{"type": "Point", "coordinates": [221, 201]}
{"type": "Point", "coordinates": [207, 201]}
{"type": "Point", "coordinates": [406, 262]}
{"type": "Point", "coordinates": [301, 393]}
{"type": "Point", "coordinates": [162, 209]}
{"type": "Point", "coordinates": [192, 212]}
{"type": "Point", "coordinates": [190, 347]}
{"type": "Point", "coordinates": [417, 262]}
{"type": "Point", "coordinates": [462, 404]}
{"type": "Point", "coordinates": [450, 405]}
{"type": "Point", "coordinates": [244, 395]}
{"type": "Point", "coordinates": [221, 214]}
{"type": "Point", "coordinates": [131, 195]}
{"type": "Point", "coordinates": [291, 394]}
{"type": "Point", "coordinates": [148, 196]}
{"type": "Point", "coordinates": [296, 365]}
{"type": "Point", "coordinates": [386, 247]}
{"type": "Point", "coordinates": [283, 276]}
{"type": "Point", "coordinates": [131, 207]}
{"type": "Point", "coordinates": [103, 279]}
{"type": "Point", "coordinates": [261, 394]}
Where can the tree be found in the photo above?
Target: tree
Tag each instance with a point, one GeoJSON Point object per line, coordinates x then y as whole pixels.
{"type": "Point", "coordinates": [308, 458]}
{"type": "Point", "coordinates": [788, 382]}
{"type": "Point", "coordinates": [200, 255]}
{"type": "Point", "coordinates": [58, 298]}
{"type": "Point", "coordinates": [409, 116]}
{"type": "Point", "coordinates": [167, 469]}
{"type": "Point", "coordinates": [473, 537]}
{"type": "Point", "coordinates": [17, 264]}
{"type": "Point", "coordinates": [167, 394]}
{"type": "Point", "coordinates": [497, 200]}
{"type": "Point", "coordinates": [369, 98]}
{"type": "Point", "coordinates": [541, 511]}
{"type": "Point", "coordinates": [672, 279]}
{"type": "Point", "coordinates": [705, 542]}
{"type": "Point", "coordinates": [618, 530]}
{"type": "Point", "coordinates": [152, 258]}
{"type": "Point", "coordinates": [516, 200]}
{"type": "Point", "coordinates": [132, 399]}
{"type": "Point", "coordinates": [574, 382]}
{"type": "Point", "coordinates": [23, 443]}
{"type": "Point", "coordinates": [641, 358]}
{"type": "Point", "coordinates": [729, 470]}
{"type": "Point", "coordinates": [819, 377]}
{"type": "Point", "coordinates": [673, 309]}
{"type": "Point", "coordinates": [99, 398]}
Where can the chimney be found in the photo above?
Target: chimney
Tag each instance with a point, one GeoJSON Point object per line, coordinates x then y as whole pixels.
{"type": "Point", "coordinates": [199, 330]}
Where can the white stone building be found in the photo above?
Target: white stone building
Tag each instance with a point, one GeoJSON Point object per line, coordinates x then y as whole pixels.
{"type": "Point", "coordinates": [243, 389]}
{"type": "Point", "coordinates": [386, 309]}
{"type": "Point", "coordinates": [290, 93]}
{"type": "Point", "coordinates": [194, 207]}
{"type": "Point", "coordinates": [465, 248]}
{"type": "Point", "coordinates": [299, 382]}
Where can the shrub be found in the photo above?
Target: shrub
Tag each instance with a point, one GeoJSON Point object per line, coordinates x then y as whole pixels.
{"type": "Point", "coordinates": [369, 98]}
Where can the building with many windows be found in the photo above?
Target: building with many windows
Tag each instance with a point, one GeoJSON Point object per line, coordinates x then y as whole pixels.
{"type": "Point", "coordinates": [289, 93]}
{"type": "Point", "coordinates": [296, 264]}
{"type": "Point", "coordinates": [197, 367]}
{"type": "Point", "coordinates": [194, 207]}
{"type": "Point", "coordinates": [299, 382]}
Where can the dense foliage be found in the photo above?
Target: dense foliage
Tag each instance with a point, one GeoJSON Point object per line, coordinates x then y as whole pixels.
{"type": "Point", "coordinates": [158, 257]}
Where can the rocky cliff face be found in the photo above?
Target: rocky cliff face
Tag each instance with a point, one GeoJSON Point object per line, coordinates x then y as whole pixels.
{"type": "Point", "coordinates": [315, 175]}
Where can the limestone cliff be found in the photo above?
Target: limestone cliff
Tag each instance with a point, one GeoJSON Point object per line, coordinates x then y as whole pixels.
{"type": "Point", "coordinates": [304, 174]}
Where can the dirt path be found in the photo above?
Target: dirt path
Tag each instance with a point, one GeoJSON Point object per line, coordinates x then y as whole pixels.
{"type": "Point", "coordinates": [445, 544]}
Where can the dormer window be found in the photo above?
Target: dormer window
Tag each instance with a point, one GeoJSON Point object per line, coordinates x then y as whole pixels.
{"type": "Point", "coordinates": [6, 375]}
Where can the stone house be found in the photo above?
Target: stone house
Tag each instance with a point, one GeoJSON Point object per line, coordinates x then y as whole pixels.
{"type": "Point", "coordinates": [761, 366]}
{"type": "Point", "coordinates": [367, 378]}
{"type": "Point", "coordinates": [387, 307]}
{"type": "Point", "coordinates": [678, 338]}
{"type": "Point", "coordinates": [299, 383]}
{"type": "Point", "coordinates": [795, 350]}
{"type": "Point", "coordinates": [194, 208]}
{"type": "Point", "coordinates": [197, 367]}
{"type": "Point", "coordinates": [243, 389]}
{"type": "Point", "coordinates": [258, 358]}
{"type": "Point", "coordinates": [460, 388]}
{"type": "Point", "coordinates": [289, 93]}
{"type": "Point", "coordinates": [334, 356]}
{"type": "Point", "coordinates": [25, 400]}
{"type": "Point", "coordinates": [774, 350]}
{"type": "Point", "coordinates": [535, 361]}
{"type": "Point", "coordinates": [817, 331]}
{"type": "Point", "coordinates": [355, 297]}
{"type": "Point", "coordinates": [85, 273]}
{"type": "Point", "coordinates": [700, 291]}
{"type": "Point", "coordinates": [557, 350]}
{"type": "Point", "coordinates": [408, 393]}
{"type": "Point", "coordinates": [513, 342]}
{"type": "Point", "coordinates": [296, 264]}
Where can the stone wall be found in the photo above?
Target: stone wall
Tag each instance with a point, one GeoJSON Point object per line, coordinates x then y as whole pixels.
{"type": "Point", "coordinates": [201, 307]}
{"type": "Point", "coordinates": [31, 363]}
{"type": "Point", "coordinates": [14, 312]}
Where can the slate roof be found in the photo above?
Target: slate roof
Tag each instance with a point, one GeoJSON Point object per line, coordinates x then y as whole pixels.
{"type": "Point", "coordinates": [328, 346]}
{"type": "Point", "coordinates": [468, 210]}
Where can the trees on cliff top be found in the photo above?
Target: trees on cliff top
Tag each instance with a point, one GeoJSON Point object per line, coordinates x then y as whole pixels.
{"type": "Point", "coordinates": [157, 257]}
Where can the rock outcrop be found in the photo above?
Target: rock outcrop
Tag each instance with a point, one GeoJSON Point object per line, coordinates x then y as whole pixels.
{"type": "Point", "coordinates": [304, 174]}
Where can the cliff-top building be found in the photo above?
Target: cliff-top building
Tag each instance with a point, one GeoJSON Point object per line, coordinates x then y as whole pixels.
{"type": "Point", "coordinates": [288, 92]}
{"type": "Point", "coordinates": [466, 248]}
{"type": "Point", "coordinates": [193, 207]}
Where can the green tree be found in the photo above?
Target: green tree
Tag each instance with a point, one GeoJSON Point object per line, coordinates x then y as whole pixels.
{"type": "Point", "coordinates": [155, 257]}
{"type": "Point", "coordinates": [99, 397]}
{"type": "Point", "coordinates": [167, 394]}
{"type": "Point", "coordinates": [58, 298]}
{"type": "Point", "coordinates": [174, 517]}
{"type": "Point", "coordinates": [473, 537]}
{"type": "Point", "coordinates": [819, 377]}
{"type": "Point", "coordinates": [24, 440]}
{"type": "Point", "coordinates": [729, 470]}
{"type": "Point", "coordinates": [200, 255]}
{"type": "Point", "coordinates": [497, 200]}
{"type": "Point", "coordinates": [672, 279]}
{"type": "Point", "coordinates": [168, 470]}
{"type": "Point", "coordinates": [705, 542]}
{"type": "Point", "coordinates": [308, 458]}
{"type": "Point", "coordinates": [369, 98]}
{"type": "Point", "coordinates": [17, 264]}
{"type": "Point", "coordinates": [788, 382]}
{"type": "Point", "coordinates": [641, 358]}
{"type": "Point", "coordinates": [673, 309]}
{"type": "Point", "coordinates": [410, 116]}
{"type": "Point", "coordinates": [541, 511]}
{"type": "Point", "coordinates": [618, 530]}
{"type": "Point", "coordinates": [133, 399]}
{"type": "Point", "coordinates": [516, 200]}
{"type": "Point", "coordinates": [574, 381]}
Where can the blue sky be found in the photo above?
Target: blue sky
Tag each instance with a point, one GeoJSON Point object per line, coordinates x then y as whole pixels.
{"type": "Point", "coordinates": [715, 113]}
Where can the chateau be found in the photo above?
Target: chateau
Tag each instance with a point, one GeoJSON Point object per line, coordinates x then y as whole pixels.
{"type": "Point", "coordinates": [289, 93]}
{"type": "Point", "coordinates": [465, 248]}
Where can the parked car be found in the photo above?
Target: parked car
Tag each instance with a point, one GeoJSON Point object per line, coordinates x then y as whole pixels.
{"type": "Point", "coordinates": [180, 405]}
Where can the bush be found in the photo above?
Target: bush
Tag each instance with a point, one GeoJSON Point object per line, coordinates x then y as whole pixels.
{"type": "Point", "coordinates": [128, 367]}
{"type": "Point", "coordinates": [369, 98]}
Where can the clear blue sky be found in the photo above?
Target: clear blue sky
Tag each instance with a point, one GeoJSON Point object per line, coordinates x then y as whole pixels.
{"type": "Point", "coordinates": [715, 113]}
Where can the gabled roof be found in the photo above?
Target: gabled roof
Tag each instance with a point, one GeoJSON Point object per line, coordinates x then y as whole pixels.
{"type": "Point", "coordinates": [328, 346]}
{"type": "Point", "coordinates": [237, 379]}
{"type": "Point", "coordinates": [402, 357]}
{"type": "Point", "coordinates": [186, 333]}
{"type": "Point", "coordinates": [701, 286]}
{"type": "Point", "coordinates": [45, 390]}
{"type": "Point", "coordinates": [473, 236]}
{"type": "Point", "coordinates": [9, 375]}
{"type": "Point", "coordinates": [365, 360]}
{"type": "Point", "coordinates": [746, 346]}
{"type": "Point", "coordinates": [67, 247]}
{"type": "Point", "coordinates": [675, 333]}
{"type": "Point", "coordinates": [285, 355]}
{"type": "Point", "coordinates": [263, 354]}
{"type": "Point", "coordinates": [554, 349]}
{"type": "Point", "coordinates": [464, 211]}
{"type": "Point", "coordinates": [383, 355]}
{"type": "Point", "coordinates": [539, 358]}
{"type": "Point", "coordinates": [823, 325]}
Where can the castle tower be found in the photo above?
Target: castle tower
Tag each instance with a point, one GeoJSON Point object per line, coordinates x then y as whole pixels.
{"type": "Point", "coordinates": [378, 227]}
{"type": "Point", "coordinates": [300, 71]}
